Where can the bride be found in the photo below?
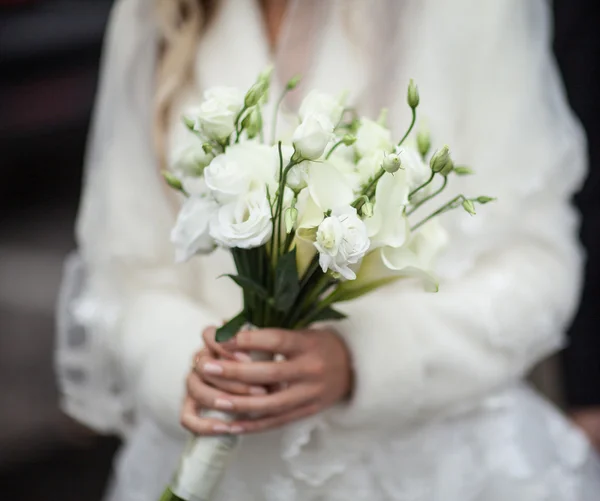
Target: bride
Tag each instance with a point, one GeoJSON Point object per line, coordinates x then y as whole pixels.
{"type": "Point", "coordinates": [418, 396]}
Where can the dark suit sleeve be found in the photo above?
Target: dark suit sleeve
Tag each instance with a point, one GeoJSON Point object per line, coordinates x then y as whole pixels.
{"type": "Point", "coordinates": [577, 45]}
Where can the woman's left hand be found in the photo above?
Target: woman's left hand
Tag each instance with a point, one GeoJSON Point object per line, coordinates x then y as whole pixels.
{"type": "Point", "coordinates": [315, 374]}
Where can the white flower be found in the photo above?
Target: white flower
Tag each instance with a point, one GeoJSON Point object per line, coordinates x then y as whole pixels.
{"type": "Point", "coordinates": [369, 165]}
{"type": "Point", "coordinates": [417, 171]}
{"type": "Point", "coordinates": [191, 232]}
{"type": "Point", "coordinates": [216, 115]}
{"type": "Point", "coordinates": [312, 136]}
{"type": "Point", "coordinates": [389, 226]}
{"type": "Point", "coordinates": [241, 169]}
{"type": "Point", "coordinates": [341, 241]}
{"type": "Point", "coordinates": [417, 258]}
{"type": "Point", "coordinates": [320, 103]}
{"type": "Point", "coordinates": [297, 176]}
{"type": "Point", "coordinates": [372, 137]}
{"type": "Point", "coordinates": [244, 223]}
{"type": "Point", "coordinates": [190, 159]}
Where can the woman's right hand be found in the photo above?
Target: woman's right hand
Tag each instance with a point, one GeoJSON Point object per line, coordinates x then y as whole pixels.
{"type": "Point", "coordinates": [200, 381]}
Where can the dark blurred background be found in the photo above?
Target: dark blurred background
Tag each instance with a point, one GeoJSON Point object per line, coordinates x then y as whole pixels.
{"type": "Point", "coordinates": [49, 54]}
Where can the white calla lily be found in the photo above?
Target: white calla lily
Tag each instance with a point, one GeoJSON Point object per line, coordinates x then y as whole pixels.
{"type": "Point", "coordinates": [417, 257]}
{"type": "Point", "coordinates": [328, 186]}
{"type": "Point", "coordinates": [389, 226]}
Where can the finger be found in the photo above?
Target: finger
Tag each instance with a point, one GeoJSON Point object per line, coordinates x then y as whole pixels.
{"type": "Point", "coordinates": [192, 421]}
{"type": "Point", "coordinates": [256, 373]}
{"type": "Point", "coordinates": [218, 350]}
{"type": "Point", "coordinates": [272, 404]}
{"type": "Point", "coordinates": [234, 387]}
{"type": "Point", "coordinates": [277, 341]}
{"type": "Point", "coordinates": [272, 422]}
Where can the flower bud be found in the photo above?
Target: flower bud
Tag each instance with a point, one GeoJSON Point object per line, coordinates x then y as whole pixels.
{"type": "Point", "coordinates": [290, 217]}
{"type": "Point", "coordinates": [448, 168]}
{"type": "Point", "coordinates": [423, 142]}
{"type": "Point", "coordinates": [413, 94]}
{"type": "Point", "coordinates": [367, 209]}
{"type": "Point", "coordinates": [172, 180]}
{"type": "Point", "coordinates": [348, 139]}
{"type": "Point", "coordinates": [484, 200]}
{"type": "Point", "coordinates": [469, 207]}
{"type": "Point", "coordinates": [462, 170]}
{"type": "Point", "coordinates": [293, 82]}
{"type": "Point", "coordinates": [208, 148]}
{"type": "Point", "coordinates": [391, 163]}
{"type": "Point", "coordinates": [440, 159]}
{"type": "Point", "coordinates": [189, 122]}
{"type": "Point", "coordinates": [252, 123]}
{"type": "Point", "coordinates": [255, 93]}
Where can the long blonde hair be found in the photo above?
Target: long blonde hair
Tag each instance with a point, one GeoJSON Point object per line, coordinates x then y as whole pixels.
{"type": "Point", "coordinates": [180, 23]}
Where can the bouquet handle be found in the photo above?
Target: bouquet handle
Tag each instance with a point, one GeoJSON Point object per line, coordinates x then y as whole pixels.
{"type": "Point", "coordinates": [205, 458]}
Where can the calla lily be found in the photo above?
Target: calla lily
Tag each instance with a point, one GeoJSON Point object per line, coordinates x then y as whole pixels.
{"type": "Point", "coordinates": [389, 225]}
{"type": "Point", "coordinates": [416, 258]}
{"type": "Point", "coordinates": [328, 187]}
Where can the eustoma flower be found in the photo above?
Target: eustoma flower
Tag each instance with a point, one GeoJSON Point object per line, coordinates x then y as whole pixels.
{"type": "Point", "coordinates": [216, 115]}
{"type": "Point", "coordinates": [320, 103]}
{"type": "Point", "coordinates": [312, 136]}
{"type": "Point", "coordinates": [242, 168]}
{"type": "Point", "coordinates": [341, 241]}
{"type": "Point", "coordinates": [191, 232]}
{"type": "Point", "coordinates": [245, 223]}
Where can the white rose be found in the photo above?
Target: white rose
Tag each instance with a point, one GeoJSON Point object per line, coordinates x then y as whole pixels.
{"type": "Point", "coordinates": [341, 241]}
{"type": "Point", "coordinates": [191, 232]}
{"type": "Point", "coordinates": [245, 223]}
{"type": "Point", "coordinates": [372, 137]}
{"type": "Point", "coordinates": [241, 169]}
{"type": "Point", "coordinates": [320, 103]}
{"type": "Point", "coordinates": [312, 136]}
{"type": "Point", "coordinates": [216, 115]}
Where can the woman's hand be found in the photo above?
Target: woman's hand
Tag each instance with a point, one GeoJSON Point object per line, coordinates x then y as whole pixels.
{"type": "Point", "coordinates": [315, 374]}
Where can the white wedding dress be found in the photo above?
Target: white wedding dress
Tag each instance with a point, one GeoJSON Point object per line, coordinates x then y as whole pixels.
{"type": "Point", "coordinates": [440, 412]}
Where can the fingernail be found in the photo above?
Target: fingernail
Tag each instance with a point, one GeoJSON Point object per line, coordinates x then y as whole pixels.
{"type": "Point", "coordinates": [242, 357]}
{"type": "Point", "coordinates": [257, 390]}
{"type": "Point", "coordinates": [221, 403]}
{"type": "Point", "coordinates": [211, 368]}
{"type": "Point", "coordinates": [221, 428]}
{"type": "Point", "coordinates": [236, 429]}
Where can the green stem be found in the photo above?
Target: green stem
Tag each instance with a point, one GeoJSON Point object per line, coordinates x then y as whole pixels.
{"type": "Point", "coordinates": [324, 304]}
{"type": "Point", "coordinates": [412, 124]}
{"type": "Point", "coordinates": [426, 199]}
{"type": "Point", "coordinates": [452, 204]}
{"type": "Point", "coordinates": [341, 141]}
{"type": "Point", "coordinates": [368, 192]}
{"type": "Point", "coordinates": [422, 186]}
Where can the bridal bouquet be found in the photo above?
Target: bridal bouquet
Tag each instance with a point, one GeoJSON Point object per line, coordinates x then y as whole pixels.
{"type": "Point", "coordinates": [320, 218]}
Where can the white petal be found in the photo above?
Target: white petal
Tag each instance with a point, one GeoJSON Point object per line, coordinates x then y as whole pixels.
{"type": "Point", "coordinates": [328, 187]}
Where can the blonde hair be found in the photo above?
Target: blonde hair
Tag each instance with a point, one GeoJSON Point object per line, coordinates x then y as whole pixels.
{"type": "Point", "coordinates": [180, 23]}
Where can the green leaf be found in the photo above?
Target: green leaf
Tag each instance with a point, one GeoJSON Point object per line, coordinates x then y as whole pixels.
{"type": "Point", "coordinates": [231, 328]}
{"type": "Point", "coordinates": [249, 285]}
{"type": "Point", "coordinates": [287, 282]}
{"type": "Point", "coordinates": [327, 314]}
{"type": "Point", "coordinates": [348, 293]}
